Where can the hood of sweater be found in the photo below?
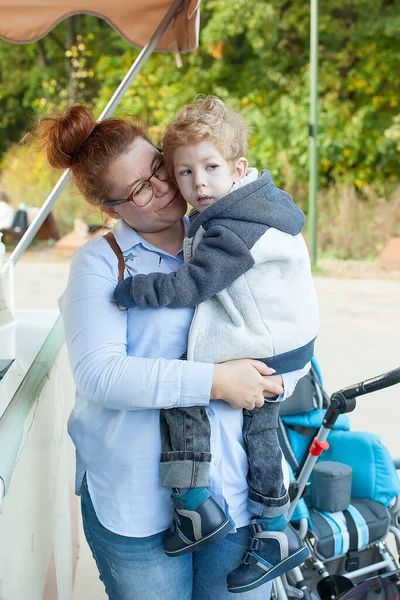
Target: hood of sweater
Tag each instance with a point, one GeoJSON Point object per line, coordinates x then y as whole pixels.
{"type": "Point", "coordinates": [256, 200]}
{"type": "Point", "coordinates": [251, 175]}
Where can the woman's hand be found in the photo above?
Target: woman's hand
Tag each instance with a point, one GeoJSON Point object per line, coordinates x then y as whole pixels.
{"type": "Point", "coordinates": [244, 383]}
{"type": "Point", "coordinates": [270, 386]}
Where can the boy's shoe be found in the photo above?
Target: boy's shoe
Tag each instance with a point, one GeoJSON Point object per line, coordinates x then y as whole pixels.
{"type": "Point", "coordinates": [198, 522]}
{"type": "Point", "coordinates": [270, 554]}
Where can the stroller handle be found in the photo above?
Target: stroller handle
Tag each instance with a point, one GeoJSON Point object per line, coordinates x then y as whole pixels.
{"type": "Point", "coordinates": [372, 385]}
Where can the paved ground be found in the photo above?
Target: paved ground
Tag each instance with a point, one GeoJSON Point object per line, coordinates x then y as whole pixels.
{"type": "Point", "coordinates": [359, 338]}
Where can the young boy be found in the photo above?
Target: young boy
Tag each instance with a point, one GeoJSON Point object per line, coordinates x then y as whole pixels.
{"type": "Point", "coordinates": [247, 271]}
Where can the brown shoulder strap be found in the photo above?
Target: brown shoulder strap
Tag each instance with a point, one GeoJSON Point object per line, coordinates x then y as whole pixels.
{"type": "Point", "coordinates": [118, 253]}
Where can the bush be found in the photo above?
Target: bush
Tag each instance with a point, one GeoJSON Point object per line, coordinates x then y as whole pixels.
{"type": "Point", "coordinates": [355, 225]}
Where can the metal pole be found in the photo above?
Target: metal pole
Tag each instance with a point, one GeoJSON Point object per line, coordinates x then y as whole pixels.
{"type": "Point", "coordinates": [306, 471]}
{"type": "Point", "coordinates": [313, 131]}
{"type": "Point", "coordinates": [111, 106]}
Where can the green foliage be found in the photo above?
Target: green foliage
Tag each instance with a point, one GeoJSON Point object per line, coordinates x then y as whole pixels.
{"type": "Point", "coordinates": [255, 55]}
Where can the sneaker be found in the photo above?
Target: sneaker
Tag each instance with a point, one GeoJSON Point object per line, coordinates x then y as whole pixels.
{"type": "Point", "coordinates": [198, 522]}
{"type": "Point", "coordinates": [270, 554]}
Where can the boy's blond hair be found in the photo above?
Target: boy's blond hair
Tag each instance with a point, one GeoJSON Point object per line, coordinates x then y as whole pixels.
{"type": "Point", "coordinates": [206, 118]}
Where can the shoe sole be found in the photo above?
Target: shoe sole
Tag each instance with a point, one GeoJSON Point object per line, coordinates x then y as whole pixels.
{"type": "Point", "coordinates": [295, 560]}
{"type": "Point", "coordinates": [212, 538]}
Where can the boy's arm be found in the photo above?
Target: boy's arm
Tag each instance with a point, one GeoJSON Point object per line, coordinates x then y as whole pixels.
{"type": "Point", "coordinates": [220, 258]}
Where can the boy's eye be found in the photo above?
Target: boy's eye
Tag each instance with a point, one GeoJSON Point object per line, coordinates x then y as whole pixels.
{"type": "Point", "coordinates": [211, 167]}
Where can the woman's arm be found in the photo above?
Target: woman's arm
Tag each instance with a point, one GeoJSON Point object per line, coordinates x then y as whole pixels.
{"type": "Point", "coordinates": [96, 332]}
{"type": "Point", "coordinates": [96, 337]}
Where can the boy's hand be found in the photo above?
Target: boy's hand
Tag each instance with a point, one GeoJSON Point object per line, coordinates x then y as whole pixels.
{"type": "Point", "coordinates": [122, 293]}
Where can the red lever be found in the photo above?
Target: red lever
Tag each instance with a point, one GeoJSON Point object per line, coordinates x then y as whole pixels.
{"type": "Point", "coordinates": [317, 448]}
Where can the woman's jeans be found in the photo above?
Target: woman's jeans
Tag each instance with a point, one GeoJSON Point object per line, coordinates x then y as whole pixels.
{"type": "Point", "coordinates": [138, 569]}
{"type": "Point", "coordinates": [186, 457]}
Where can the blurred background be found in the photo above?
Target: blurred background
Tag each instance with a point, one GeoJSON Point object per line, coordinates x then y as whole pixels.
{"type": "Point", "coordinates": [254, 55]}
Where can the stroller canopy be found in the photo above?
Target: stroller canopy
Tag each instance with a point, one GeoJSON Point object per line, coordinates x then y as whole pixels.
{"type": "Point", "coordinates": [24, 21]}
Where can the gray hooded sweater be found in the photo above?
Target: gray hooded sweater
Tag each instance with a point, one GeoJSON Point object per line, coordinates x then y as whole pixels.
{"type": "Point", "coordinates": [247, 271]}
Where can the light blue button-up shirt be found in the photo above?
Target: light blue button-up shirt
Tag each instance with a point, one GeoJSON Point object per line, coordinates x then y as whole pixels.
{"type": "Point", "coordinates": [126, 367]}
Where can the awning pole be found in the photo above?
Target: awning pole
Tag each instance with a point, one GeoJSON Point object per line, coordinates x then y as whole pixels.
{"type": "Point", "coordinates": [313, 131]}
{"type": "Point", "coordinates": [111, 106]}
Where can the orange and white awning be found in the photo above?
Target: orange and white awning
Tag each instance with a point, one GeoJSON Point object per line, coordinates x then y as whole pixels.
{"type": "Point", "coordinates": [23, 21]}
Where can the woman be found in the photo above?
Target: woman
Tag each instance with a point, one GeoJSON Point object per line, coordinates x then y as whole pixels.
{"type": "Point", "coordinates": [126, 367]}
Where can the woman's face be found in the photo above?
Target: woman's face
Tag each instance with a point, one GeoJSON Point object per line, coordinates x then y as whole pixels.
{"type": "Point", "coordinates": [167, 206]}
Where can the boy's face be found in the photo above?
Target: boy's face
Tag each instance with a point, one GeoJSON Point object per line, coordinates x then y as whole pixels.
{"type": "Point", "coordinates": [203, 175]}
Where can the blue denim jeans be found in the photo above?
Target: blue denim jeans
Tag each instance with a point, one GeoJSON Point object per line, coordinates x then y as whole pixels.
{"type": "Point", "coordinates": [186, 457]}
{"type": "Point", "coordinates": [138, 569]}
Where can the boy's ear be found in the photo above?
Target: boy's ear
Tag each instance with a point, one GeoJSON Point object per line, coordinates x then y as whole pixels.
{"type": "Point", "coordinates": [110, 211]}
{"type": "Point", "coordinates": [240, 169]}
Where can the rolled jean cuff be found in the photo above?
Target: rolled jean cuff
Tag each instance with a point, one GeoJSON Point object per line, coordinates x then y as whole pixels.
{"type": "Point", "coordinates": [185, 469]}
{"type": "Point", "coordinates": [268, 508]}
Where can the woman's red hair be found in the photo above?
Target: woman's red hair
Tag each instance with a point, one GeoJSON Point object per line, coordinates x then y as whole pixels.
{"type": "Point", "coordinates": [74, 139]}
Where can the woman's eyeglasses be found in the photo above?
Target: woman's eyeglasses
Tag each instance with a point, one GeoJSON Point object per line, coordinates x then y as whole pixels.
{"type": "Point", "coordinates": [143, 193]}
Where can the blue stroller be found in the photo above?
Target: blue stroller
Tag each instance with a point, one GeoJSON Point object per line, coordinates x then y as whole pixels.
{"type": "Point", "coordinates": [345, 496]}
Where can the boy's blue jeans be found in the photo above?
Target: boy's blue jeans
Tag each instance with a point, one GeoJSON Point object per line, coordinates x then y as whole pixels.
{"type": "Point", "coordinates": [138, 569]}
{"type": "Point", "coordinates": [186, 457]}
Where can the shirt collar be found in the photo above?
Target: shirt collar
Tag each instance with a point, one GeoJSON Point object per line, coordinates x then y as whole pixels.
{"type": "Point", "coordinates": [128, 238]}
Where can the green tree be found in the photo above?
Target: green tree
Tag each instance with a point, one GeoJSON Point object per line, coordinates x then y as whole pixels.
{"type": "Point", "coordinates": [51, 74]}
{"type": "Point", "coordinates": [255, 55]}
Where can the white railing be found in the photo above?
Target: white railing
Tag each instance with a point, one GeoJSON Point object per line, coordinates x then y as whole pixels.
{"type": "Point", "coordinates": [12, 422]}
